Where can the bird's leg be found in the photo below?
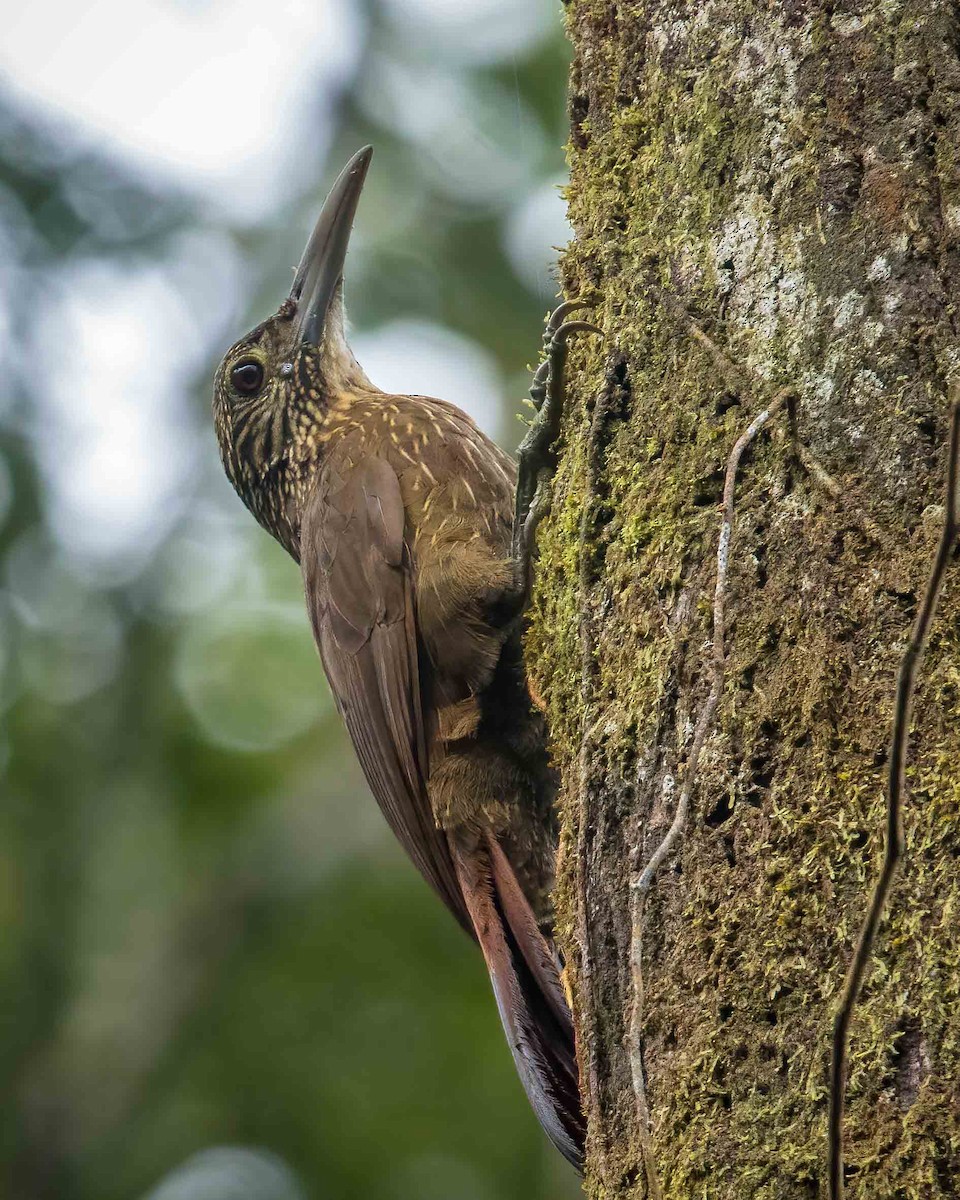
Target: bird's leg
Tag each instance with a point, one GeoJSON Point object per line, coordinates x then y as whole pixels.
{"type": "Point", "coordinates": [536, 462]}
{"type": "Point", "coordinates": [536, 457]}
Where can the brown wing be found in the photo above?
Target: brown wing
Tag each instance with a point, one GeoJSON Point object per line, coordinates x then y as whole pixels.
{"type": "Point", "coordinates": [356, 572]}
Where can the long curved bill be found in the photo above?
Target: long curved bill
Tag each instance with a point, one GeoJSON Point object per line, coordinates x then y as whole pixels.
{"type": "Point", "coordinates": [321, 268]}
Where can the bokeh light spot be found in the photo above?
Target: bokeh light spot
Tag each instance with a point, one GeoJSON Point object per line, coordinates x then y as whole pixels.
{"type": "Point", "coordinates": [249, 676]}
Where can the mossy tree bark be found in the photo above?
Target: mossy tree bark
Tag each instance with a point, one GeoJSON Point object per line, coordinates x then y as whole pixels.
{"type": "Point", "coordinates": [783, 178]}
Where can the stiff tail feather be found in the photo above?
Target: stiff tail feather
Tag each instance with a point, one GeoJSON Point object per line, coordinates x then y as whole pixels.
{"type": "Point", "coordinates": [529, 995]}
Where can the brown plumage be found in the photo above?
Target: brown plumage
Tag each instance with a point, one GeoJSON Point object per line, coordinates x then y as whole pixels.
{"type": "Point", "coordinates": [400, 513]}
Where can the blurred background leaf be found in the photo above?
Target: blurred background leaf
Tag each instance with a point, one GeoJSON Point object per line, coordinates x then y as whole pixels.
{"type": "Point", "coordinates": [208, 939]}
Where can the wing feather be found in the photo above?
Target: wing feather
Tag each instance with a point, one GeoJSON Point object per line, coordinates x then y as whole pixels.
{"type": "Point", "coordinates": [357, 577]}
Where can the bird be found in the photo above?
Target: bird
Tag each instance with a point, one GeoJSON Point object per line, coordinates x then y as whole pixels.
{"type": "Point", "coordinates": [415, 536]}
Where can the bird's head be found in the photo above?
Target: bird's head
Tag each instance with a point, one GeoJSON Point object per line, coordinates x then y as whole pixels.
{"type": "Point", "coordinates": [274, 386]}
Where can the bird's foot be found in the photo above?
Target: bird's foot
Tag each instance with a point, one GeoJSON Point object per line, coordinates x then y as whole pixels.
{"type": "Point", "coordinates": [536, 457]}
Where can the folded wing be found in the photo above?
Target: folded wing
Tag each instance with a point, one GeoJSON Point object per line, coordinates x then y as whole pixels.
{"type": "Point", "coordinates": [357, 577]}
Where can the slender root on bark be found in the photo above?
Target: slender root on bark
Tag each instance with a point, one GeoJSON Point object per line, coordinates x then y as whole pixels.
{"type": "Point", "coordinates": [642, 882]}
{"type": "Point", "coordinates": [732, 375]}
{"type": "Point", "coordinates": [896, 785]}
{"type": "Point", "coordinates": [818, 474]}
{"type": "Point", "coordinates": [737, 380]}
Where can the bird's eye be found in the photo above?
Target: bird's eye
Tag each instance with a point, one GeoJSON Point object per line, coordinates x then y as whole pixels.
{"type": "Point", "coordinates": [247, 377]}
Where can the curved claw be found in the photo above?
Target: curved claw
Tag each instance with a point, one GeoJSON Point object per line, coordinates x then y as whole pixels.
{"type": "Point", "coordinates": [564, 331]}
{"type": "Point", "coordinates": [562, 311]}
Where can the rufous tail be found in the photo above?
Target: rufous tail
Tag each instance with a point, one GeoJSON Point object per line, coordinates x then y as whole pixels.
{"type": "Point", "coordinates": [526, 983]}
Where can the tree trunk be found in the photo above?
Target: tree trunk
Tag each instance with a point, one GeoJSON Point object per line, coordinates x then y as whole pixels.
{"type": "Point", "coordinates": [765, 196]}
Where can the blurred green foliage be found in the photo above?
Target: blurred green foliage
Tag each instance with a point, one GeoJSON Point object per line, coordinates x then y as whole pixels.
{"type": "Point", "coordinates": [208, 937]}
